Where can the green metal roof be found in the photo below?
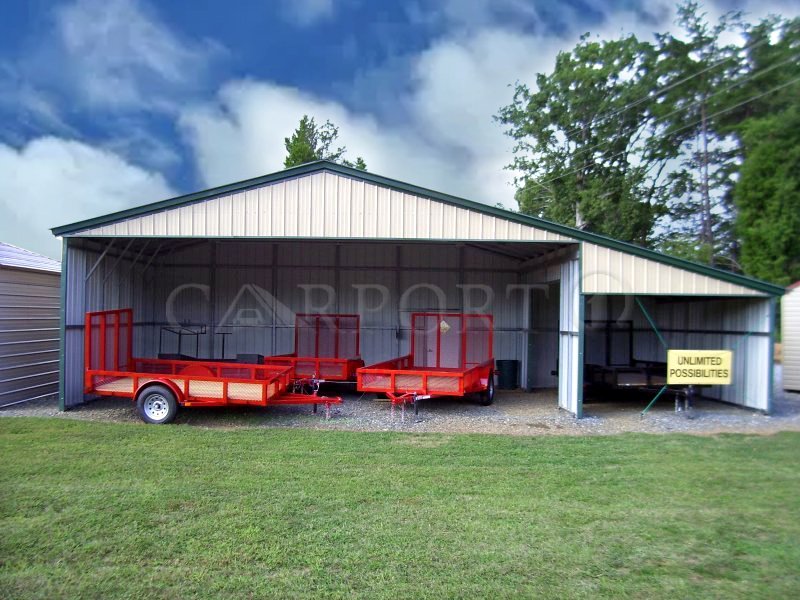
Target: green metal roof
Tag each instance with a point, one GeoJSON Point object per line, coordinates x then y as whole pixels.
{"type": "Point", "coordinates": [324, 165]}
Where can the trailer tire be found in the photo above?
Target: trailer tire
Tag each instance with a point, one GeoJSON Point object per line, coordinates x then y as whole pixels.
{"type": "Point", "coordinates": [487, 395]}
{"type": "Point", "coordinates": [157, 405]}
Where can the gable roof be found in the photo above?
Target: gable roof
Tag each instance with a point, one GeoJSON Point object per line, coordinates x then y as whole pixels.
{"type": "Point", "coordinates": [323, 165]}
{"type": "Point", "coordinates": [15, 257]}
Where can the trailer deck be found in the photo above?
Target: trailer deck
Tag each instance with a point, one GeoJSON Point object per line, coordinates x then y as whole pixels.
{"type": "Point", "coordinates": [451, 355]}
{"type": "Point", "coordinates": [112, 370]}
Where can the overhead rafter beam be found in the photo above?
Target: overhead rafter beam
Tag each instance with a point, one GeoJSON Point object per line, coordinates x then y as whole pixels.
{"type": "Point", "coordinates": [93, 245]}
{"type": "Point", "coordinates": [152, 257]}
{"type": "Point", "coordinates": [545, 260]}
{"type": "Point", "coordinates": [116, 262]}
{"type": "Point", "coordinates": [99, 260]}
{"type": "Point", "coordinates": [139, 255]}
{"type": "Point", "coordinates": [494, 250]}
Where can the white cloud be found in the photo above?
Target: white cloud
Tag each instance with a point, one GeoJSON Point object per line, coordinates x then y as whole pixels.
{"type": "Point", "coordinates": [241, 135]}
{"type": "Point", "coordinates": [474, 14]}
{"type": "Point", "coordinates": [307, 12]}
{"type": "Point", "coordinates": [446, 138]}
{"type": "Point", "coordinates": [53, 181]}
{"type": "Point", "coordinates": [119, 55]}
{"type": "Point", "coordinates": [436, 130]}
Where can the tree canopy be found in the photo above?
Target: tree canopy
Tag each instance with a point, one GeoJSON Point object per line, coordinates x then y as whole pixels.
{"type": "Point", "coordinates": [686, 143]}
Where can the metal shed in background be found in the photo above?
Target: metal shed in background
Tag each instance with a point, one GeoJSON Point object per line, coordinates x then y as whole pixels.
{"type": "Point", "coordinates": [790, 338]}
{"type": "Point", "coordinates": [29, 317]}
{"type": "Point", "coordinates": [241, 259]}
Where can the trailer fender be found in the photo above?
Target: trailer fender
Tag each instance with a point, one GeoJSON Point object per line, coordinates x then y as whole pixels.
{"type": "Point", "coordinates": [165, 382]}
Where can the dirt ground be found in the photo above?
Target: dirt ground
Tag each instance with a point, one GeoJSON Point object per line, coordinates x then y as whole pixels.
{"type": "Point", "coordinates": [513, 412]}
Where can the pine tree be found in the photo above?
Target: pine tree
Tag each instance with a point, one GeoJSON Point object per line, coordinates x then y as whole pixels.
{"type": "Point", "coordinates": [311, 142]}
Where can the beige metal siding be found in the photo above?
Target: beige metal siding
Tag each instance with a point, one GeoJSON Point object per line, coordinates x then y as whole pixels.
{"type": "Point", "coordinates": [607, 271]}
{"type": "Point", "coordinates": [29, 317]}
{"type": "Point", "coordinates": [790, 338]}
{"type": "Point", "coordinates": [324, 205]}
{"type": "Point", "coordinates": [329, 205]}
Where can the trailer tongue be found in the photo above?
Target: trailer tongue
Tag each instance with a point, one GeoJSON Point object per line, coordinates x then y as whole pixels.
{"type": "Point", "coordinates": [159, 386]}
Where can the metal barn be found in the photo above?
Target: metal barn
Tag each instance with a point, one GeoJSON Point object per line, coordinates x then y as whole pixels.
{"type": "Point", "coordinates": [790, 338]}
{"type": "Point", "coordinates": [237, 262]}
{"type": "Point", "coordinates": [29, 288]}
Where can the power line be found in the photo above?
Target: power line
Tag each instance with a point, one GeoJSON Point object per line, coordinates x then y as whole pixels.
{"type": "Point", "coordinates": [690, 125]}
{"type": "Point", "coordinates": [666, 88]}
{"type": "Point", "coordinates": [749, 77]}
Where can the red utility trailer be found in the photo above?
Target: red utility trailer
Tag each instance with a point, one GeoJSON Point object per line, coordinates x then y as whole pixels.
{"type": "Point", "coordinates": [451, 355]}
{"type": "Point", "coordinates": [159, 386]}
{"type": "Point", "coordinates": [326, 348]}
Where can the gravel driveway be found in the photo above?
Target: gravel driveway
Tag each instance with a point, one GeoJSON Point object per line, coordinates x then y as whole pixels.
{"type": "Point", "coordinates": [513, 413]}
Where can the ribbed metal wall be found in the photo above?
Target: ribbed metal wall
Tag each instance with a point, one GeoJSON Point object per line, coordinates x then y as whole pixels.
{"type": "Point", "coordinates": [29, 315]}
{"type": "Point", "coordinates": [790, 338]}
{"type": "Point", "coordinates": [607, 271]}
{"type": "Point", "coordinates": [329, 205]}
{"type": "Point", "coordinates": [324, 205]}
{"type": "Point", "coordinates": [544, 337]}
{"type": "Point", "coordinates": [113, 284]}
{"type": "Point", "coordinates": [741, 325]}
{"type": "Point", "coordinates": [541, 356]}
{"type": "Point", "coordinates": [257, 306]}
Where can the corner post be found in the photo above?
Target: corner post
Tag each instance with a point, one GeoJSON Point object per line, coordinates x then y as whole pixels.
{"type": "Point", "coordinates": [62, 326]}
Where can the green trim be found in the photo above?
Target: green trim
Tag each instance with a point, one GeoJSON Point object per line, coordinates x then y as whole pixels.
{"type": "Point", "coordinates": [62, 327]}
{"type": "Point", "coordinates": [666, 295]}
{"type": "Point", "coordinates": [581, 336]}
{"type": "Point", "coordinates": [653, 401]}
{"type": "Point", "coordinates": [652, 323]}
{"type": "Point", "coordinates": [313, 167]}
{"type": "Point", "coordinates": [771, 383]}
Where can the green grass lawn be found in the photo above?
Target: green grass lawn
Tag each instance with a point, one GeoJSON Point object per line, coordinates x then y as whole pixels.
{"type": "Point", "coordinates": [102, 510]}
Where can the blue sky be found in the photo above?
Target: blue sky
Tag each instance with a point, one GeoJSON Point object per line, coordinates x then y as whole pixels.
{"type": "Point", "coordinates": [106, 104]}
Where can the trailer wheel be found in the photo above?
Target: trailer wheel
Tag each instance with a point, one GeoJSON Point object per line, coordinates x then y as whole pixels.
{"type": "Point", "coordinates": [487, 395]}
{"type": "Point", "coordinates": [157, 405]}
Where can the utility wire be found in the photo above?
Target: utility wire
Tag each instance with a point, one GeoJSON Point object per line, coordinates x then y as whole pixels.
{"type": "Point", "coordinates": [690, 125]}
{"type": "Point", "coordinates": [750, 77]}
{"type": "Point", "coordinates": [658, 92]}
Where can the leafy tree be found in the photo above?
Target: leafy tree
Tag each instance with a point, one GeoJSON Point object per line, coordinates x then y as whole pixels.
{"type": "Point", "coordinates": [767, 193]}
{"type": "Point", "coordinates": [767, 197]}
{"type": "Point", "coordinates": [311, 142]}
{"type": "Point", "coordinates": [697, 72]}
{"type": "Point", "coordinates": [585, 141]}
{"type": "Point", "coordinates": [688, 144]}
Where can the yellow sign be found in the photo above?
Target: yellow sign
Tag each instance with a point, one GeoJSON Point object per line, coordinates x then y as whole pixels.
{"type": "Point", "coordinates": [699, 367]}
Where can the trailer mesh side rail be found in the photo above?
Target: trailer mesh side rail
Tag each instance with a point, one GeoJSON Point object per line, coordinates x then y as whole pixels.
{"type": "Point", "coordinates": [326, 347]}
{"type": "Point", "coordinates": [451, 355]}
{"type": "Point", "coordinates": [112, 370]}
